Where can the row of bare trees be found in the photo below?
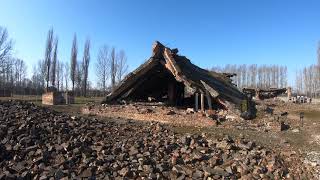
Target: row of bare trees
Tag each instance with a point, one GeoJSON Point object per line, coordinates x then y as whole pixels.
{"type": "Point", "coordinates": [256, 76]}
{"type": "Point", "coordinates": [308, 79]}
{"type": "Point", "coordinates": [13, 71]}
{"type": "Point", "coordinates": [53, 70]}
{"type": "Point", "coordinates": [110, 65]}
{"type": "Point", "coordinates": [79, 70]}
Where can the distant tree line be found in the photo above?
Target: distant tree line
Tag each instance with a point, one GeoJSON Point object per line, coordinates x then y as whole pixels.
{"type": "Point", "coordinates": [52, 72]}
{"type": "Point", "coordinates": [256, 76]}
{"type": "Point", "coordinates": [13, 71]}
{"type": "Point", "coordinates": [308, 79]}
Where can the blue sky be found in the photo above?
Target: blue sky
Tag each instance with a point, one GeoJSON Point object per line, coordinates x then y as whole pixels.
{"type": "Point", "coordinates": [210, 33]}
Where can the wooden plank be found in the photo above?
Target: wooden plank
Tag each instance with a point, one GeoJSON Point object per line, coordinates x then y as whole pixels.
{"type": "Point", "coordinates": [202, 102]}
{"type": "Point", "coordinates": [209, 100]}
{"type": "Point", "coordinates": [172, 93]}
{"type": "Point", "coordinates": [212, 92]}
{"type": "Point", "coordinates": [196, 102]}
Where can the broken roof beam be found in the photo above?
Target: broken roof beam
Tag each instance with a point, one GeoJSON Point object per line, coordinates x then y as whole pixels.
{"type": "Point", "coordinates": [130, 79]}
{"type": "Point", "coordinates": [229, 75]}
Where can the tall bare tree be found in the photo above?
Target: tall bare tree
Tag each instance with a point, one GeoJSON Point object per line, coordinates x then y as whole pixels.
{"type": "Point", "coordinates": [73, 63]}
{"type": "Point", "coordinates": [20, 71]}
{"type": "Point", "coordinates": [59, 75]}
{"type": "Point", "coordinates": [113, 67]}
{"type": "Point", "coordinates": [102, 67]}
{"type": "Point", "coordinates": [48, 52]}
{"type": "Point", "coordinates": [122, 66]}
{"type": "Point", "coordinates": [299, 81]}
{"type": "Point", "coordinates": [5, 47]}
{"type": "Point", "coordinates": [61, 70]}
{"type": "Point", "coordinates": [54, 63]}
{"type": "Point", "coordinates": [78, 78]}
{"type": "Point", "coordinates": [85, 65]}
{"type": "Point", "coordinates": [38, 76]}
{"type": "Point", "coordinates": [66, 75]}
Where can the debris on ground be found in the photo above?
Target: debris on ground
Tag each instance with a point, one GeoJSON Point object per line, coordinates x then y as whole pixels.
{"type": "Point", "coordinates": [157, 112]}
{"type": "Point", "coordinates": [38, 143]}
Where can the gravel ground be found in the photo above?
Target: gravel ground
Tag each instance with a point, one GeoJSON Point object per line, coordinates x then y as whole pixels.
{"type": "Point", "coordinates": [40, 143]}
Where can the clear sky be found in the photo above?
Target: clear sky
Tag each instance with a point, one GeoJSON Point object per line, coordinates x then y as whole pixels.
{"type": "Point", "coordinates": [213, 32]}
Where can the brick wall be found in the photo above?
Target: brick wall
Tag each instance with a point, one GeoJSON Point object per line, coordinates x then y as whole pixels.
{"type": "Point", "coordinates": [52, 98]}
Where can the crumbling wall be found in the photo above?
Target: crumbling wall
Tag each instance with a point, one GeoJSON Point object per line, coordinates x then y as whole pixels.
{"type": "Point", "coordinates": [52, 98]}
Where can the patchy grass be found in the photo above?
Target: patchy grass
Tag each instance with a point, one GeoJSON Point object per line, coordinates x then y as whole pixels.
{"type": "Point", "coordinates": [30, 98]}
{"type": "Point", "coordinates": [74, 109]}
{"type": "Point", "coordinates": [85, 100]}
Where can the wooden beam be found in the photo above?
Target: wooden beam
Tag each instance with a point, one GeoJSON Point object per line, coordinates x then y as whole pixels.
{"type": "Point", "coordinates": [172, 93]}
{"type": "Point", "coordinates": [202, 102]}
{"type": "Point", "coordinates": [212, 92]}
{"type": "Point", "coordinates": [209, 100]}
{"type": "Point", "coordinates": [196, 101]}
{"type": "Point", "coordinates": [131, 79]}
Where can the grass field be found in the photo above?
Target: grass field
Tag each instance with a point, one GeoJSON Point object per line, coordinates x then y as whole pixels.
{"type": "Point", "coordinates": [70, 108]}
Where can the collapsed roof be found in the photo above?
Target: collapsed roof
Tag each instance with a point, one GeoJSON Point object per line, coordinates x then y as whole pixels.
{"type": "Point", "coordinates": [165, 67]}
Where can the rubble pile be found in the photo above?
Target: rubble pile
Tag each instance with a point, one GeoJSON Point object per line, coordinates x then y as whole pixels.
{"type": "Point", "coordinates": [42, 144]}
{"type": "Point", "coordinates": [154, 112]}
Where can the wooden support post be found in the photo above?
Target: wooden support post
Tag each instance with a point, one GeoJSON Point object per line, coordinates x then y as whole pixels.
{"type": "Point", "coordinates": [67, 97]}
{"type": "Point", "coordinates": [196, 101]}
{"type": "Point", "coordinates": [202, 102]}
{"type": "Point", "coordinates": [209, 101]}
{"type": "Point", "coordinates": [172, 93]}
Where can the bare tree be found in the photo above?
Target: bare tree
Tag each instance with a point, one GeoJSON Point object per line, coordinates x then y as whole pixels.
{"type": "Point", "coordinates": [253, 70]}
{"type": "Point", "coordinates": [48, 52]}
{"type": "Point", "coordinates": [85, 65]}
{"type": "Point", "coordinates": [61, 72]}
{"type": "Point", "coordinates": [113, 67]}
{"type": "Point", "coordinates": [5, 47]}
{"type": "Point", "coordinates": [59, 75]}
{"type": "Point", "coordinates": [102, 67]}
{"type": "Point", "coordinates": [78, 78]}
{"type": "Point", "coordinates": [20, 71]}
{"type": "Point", "coordinates": [54, 63]}
{"type": "Point", "coordinates": [298, 81]}
{"type": "Point", "coordinates": [39, 73]}
{"type": "Point", "coordinates": [66, 75]}
{"type": "Point", "coordinates": [73, 63]}
{"type": "Point", "coordinates": [122, 66]}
